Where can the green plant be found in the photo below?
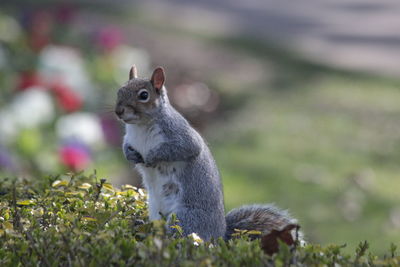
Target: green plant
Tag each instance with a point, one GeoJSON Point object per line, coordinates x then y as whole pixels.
{"type": "Point", "coordinates": [77, 220]}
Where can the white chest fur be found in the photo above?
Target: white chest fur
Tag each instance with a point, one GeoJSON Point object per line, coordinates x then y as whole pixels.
{"type": "Point", "coordinates": [161, 181]}
{"type": "Point", "coordinates": [142, 138]}
{"type": "Point", "coordinates": [163, 188]}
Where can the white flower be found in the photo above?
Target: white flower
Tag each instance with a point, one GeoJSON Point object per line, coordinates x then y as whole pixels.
{"type": "Point", "coordinates": [8, 127]}
{"type": "Point", "coordinates": [32, 107]}
{"type": "Point", "coordinates": [82, 126]}
{"type": "Point", "coordinates": [196, 239]}
{"type": "Point", "coordinates": [65, 63]}
{"type": "Point", "coordinates": [124, 57]}
{"type": "Point", "coordinates": [28, 109]}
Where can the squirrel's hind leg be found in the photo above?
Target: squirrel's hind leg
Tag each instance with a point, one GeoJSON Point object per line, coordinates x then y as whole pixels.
{"type": "Point", "coordinates": [203, 223]}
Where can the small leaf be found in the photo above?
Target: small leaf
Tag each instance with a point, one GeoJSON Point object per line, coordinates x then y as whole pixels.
{"type": "Point", "coordinates": [128, 193]}
{"type": "Point", "coordinates": [253, 232]}
{"type": "Point", "coordinates": [59, 183]}
{"type": "Point", "coordinates": [73, 193]}
{"type": "Point", "coordinates": [140, 203]}
{"type": "Point", "coordinates": [178, 229]}
{"type": "Point", "coordinates": [25, 202]}
{"type": "Point", "coordinates": [1, 232]}
{"type": "Point", "coordinates": [239, 232]}
{"type": "Point", "coordinates": [7, 215]}
{"type": "Point", "coordinates": [8, 225]}
{"type": "Point", "coordinates": [109, 187]}
{"type": "Point", "coordinates": [85, 186]}
{"type": "Point", "coordinates": [89, 219]}
{"type": "Point", "coordinates": [128, 186]}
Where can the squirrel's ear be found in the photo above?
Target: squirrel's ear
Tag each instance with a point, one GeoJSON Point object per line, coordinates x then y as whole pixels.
{"type": "Point", "coordinates": [133, 73]}
{"type": "Point", "coordinates": [158, 78]}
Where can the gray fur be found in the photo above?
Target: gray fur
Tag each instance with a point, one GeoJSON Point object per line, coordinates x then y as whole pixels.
{"type": "Point", "coordinates": [202, 207]}
{"type": "Point", "coordinates": [181, 143]}
{"type": "Point", "coordinates": [263, 218]}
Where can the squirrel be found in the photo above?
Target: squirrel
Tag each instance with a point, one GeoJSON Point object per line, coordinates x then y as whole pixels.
{"type": "Point", "coordinates": [178, 170]}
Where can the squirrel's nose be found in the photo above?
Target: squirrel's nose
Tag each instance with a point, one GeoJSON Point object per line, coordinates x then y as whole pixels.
{"type": "Point", "coordinates": [119, 111]}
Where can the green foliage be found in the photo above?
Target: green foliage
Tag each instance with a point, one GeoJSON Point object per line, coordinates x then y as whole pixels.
{"type": "Point", "coordinates": [76, 220]}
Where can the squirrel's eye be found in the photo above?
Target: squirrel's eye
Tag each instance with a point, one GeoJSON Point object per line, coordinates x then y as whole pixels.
{"type": "Point", "coordinates": [143, 95]}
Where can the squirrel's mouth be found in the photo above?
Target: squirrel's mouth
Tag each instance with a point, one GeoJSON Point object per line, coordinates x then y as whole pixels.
{"type": "Point", "coordinates": [130, 118]}
{"type": "Point", "coordinates": [131, 121]}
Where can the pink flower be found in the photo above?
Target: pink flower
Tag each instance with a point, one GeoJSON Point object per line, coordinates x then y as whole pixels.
{"type": "Point", "coordinates": [109, 37]}
{"type": "Point", "coordinates": [65, 13]}
{"type": "Point", "coordinates": [74, 156]}
{"type": "Point", "coordinates": [111, 129]}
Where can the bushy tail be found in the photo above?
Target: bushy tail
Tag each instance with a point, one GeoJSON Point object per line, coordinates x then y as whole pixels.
{"type": "Point", "coordinates": [263, 218]}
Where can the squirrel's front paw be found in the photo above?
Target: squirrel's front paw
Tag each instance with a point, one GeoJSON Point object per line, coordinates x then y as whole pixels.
{"type": "Point", "coordinates": [150, 160]}
{"type": "Point", "coordinates": [132, 155]}
{"type": "Point", "coordinates": [150, 164]}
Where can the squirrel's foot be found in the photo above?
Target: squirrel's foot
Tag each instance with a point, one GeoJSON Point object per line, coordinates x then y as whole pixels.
{"type": "Point", "coordinates": [132, 155]}
{"type": "Point", "coordinates": [150, 160]}
{"type": "Point", "coordinates": [150, 164]}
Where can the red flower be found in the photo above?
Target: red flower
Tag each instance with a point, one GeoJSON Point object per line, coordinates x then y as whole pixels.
{"type": "Point", "coordinates": [28, 79]}
{"type": "Point", "coordinates": [65, 13]}
{"type": "Point", "coordinates": [67, 98]}
{"type": "Point", "coordinates": [40, 29]}
{"type": "Point", "coordinates": [74, 157]}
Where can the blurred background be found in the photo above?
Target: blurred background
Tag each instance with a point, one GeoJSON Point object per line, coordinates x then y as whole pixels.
{"type": "Point", "coordinates": [299, 100]}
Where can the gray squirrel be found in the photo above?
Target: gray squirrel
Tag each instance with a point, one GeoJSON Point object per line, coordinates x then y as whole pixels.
{"type": "Point", "coordinates": [178, 170]}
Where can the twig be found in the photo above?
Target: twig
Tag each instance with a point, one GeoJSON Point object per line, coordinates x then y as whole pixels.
{"type": "Point", "coordinates": [293, 249]}
{"type": "Point", "coordinates": [99, 187]}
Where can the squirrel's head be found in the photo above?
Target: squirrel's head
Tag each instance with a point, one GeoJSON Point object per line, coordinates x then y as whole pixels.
{"type": "Point", "coordinates": [139, 98]}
